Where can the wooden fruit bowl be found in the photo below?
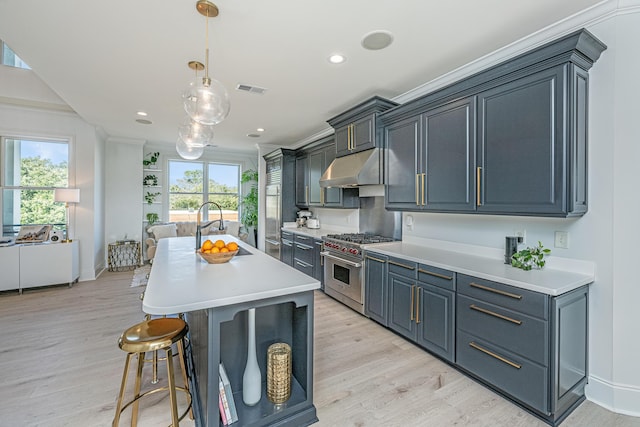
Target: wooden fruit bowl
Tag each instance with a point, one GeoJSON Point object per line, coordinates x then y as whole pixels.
{"type": "Point", "coordinates": [217, 258]}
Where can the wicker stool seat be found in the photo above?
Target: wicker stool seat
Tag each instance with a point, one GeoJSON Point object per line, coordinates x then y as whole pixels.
{"type": "Point", "coordinates": [151, 336]}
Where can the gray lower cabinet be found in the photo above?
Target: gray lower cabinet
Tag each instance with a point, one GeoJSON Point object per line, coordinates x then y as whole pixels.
{"type": "Point", "coordinates": [529, 346]}
{"type": "Point", "coordinates": [422, 309]}
{"type": "Point", "coordinates": [286, 248]}
{"type": "Point", "coordinates": [376, 288]}
{"type": "Point", "coordinates": [303, 253]}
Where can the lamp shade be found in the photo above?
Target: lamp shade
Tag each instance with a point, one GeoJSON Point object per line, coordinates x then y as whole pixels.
{"type": "Point", "coordinates": [67, 195]}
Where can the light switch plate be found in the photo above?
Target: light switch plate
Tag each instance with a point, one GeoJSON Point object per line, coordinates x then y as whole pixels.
{"type": "Point", "coordinates": [561, 240]}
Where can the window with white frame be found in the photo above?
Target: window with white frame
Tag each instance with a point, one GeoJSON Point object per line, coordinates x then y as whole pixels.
{"type": "Point", "coordinates": [192, 183]}
{"type": "Point", "coordinates": [10, 58]}
{"type": "Point", "coordinates": [32, 169]}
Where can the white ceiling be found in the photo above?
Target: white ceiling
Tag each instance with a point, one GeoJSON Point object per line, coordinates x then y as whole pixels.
{"type": "Point", "coordinates": [108, 60]}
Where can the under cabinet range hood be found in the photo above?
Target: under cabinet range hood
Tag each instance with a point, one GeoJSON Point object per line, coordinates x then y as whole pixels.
{"type": "Point", "coordinates": [363, 168]}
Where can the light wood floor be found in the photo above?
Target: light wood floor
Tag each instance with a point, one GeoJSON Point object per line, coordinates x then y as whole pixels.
{"type": "Point", "coordinates": [61, 366]}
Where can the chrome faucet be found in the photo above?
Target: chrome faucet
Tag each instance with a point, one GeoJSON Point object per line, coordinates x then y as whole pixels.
{"type": "Point", "coordinates": [199, 226]}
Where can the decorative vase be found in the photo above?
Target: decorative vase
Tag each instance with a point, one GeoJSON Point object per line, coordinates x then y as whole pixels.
{"type": "Point", "coordinates": [252, 378]}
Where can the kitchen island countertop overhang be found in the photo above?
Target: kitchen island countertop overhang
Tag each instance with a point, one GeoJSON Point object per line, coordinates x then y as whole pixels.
{"type": "Point", "coordinates": [180, 281]}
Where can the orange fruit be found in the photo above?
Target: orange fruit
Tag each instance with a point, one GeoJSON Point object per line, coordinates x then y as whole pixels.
{"type": "Point", "coordinates": [224, 250]}
{"type": "Point", "coordinates": [208, 244]}
{"type": "Point", "coordinates": [215, 250]}
{"type": "Point", "coordinates": [219, 244]}
{"type": "Point", "coordinates": [232, 246]}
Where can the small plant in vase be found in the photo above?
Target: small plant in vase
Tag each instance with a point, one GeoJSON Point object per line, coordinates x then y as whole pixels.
{"type": "Point", "coordinates": [151, 197]}
{"type": "Point", "coordinates": [527, 258]}
{"type": "Point", "coordinates": [152, 218]}
{"type": "Point", "coordinates": [151, 180]}
{"type": "Point", "coordinates": [151, 161]}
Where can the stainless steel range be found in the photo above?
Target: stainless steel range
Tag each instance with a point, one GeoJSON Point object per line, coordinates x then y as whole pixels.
{"type": "Point", "coordinates": [343, 266]}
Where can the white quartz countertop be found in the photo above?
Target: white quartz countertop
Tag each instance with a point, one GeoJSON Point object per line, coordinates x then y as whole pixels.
{"type": "Point", "coordinates": [180, 281]}
{"type": "Point", "coordinates": [316, 233]}
{"type": "Point", "coordinates": [547, 281]}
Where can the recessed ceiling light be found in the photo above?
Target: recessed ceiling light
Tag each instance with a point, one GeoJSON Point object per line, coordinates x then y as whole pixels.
{"type": "Point", "coordinates": [377, 40]}
{"type": "Point", "coordinates": [144, 121]}
{"type": "Point", "coordinates": [260, 129]}
{"type": "Point", "coordinates": [142, 113]}
{"type": "Point", "coordinates": [337, 58]}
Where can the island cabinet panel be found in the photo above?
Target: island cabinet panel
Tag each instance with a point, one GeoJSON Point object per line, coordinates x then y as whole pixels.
{"type": "Point", "coordinates": [420, 310]}
{"type": "Point", "coordinates": [376, 288]}
{"type": "Point", "coordinates": [220, 335]}
{"type": "Point", "coordinates": [529, 346]}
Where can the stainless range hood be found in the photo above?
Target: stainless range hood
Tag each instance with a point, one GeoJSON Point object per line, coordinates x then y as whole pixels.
{"type": "Point", "coordinates": [363, 168]}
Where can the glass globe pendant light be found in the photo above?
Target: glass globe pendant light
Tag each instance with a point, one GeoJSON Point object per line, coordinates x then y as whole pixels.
{"type": "Point", "coordinates": [195, 134]}
{"type": "Point", "coordinates": [206, 100]}
{"type": "Point", "coordinates": [188, 152]}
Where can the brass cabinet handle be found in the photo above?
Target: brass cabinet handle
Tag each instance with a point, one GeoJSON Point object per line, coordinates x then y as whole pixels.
{"type": "Point", "coordinates": [431, 273]}
{"type": "Point", "coordinates": [301, 237]}
{"type": "Point", "coordinates": [417, 304]}
{"type": "Point", "coordinates": [492, 354]}
{"type": "Point", "coordinates": [304, 248]}
{"type": "Point", "coordinates": [306, 195]}
{"type": "Point", "coordinates": [495, 291]}
{"type": "Point", "coordinates": [494, 314]}
{"type": "Point", "coordinates": [478, 176]}
{"type": "Point", "coordinates": [402, 265]}
{"type": "Point", "coordinates": [376, 259]}
{"type": "Point", "coordinates": [417, 189]}
{"type": "Point", "coordinates": [423, 188]}
{"type": "Point", "coordinates": [412, 287]}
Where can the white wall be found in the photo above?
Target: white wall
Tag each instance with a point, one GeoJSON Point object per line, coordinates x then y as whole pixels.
{"type": "Point", "coordinates": [608, 233]}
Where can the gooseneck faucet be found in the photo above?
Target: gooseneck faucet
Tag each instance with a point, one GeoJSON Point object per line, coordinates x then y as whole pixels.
{"type": "Point", "coordinates": [199, 226]}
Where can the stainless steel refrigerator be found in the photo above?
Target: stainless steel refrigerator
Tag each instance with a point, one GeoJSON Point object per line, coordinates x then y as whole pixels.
{"type": "Point", "coordinates": [279, 197]}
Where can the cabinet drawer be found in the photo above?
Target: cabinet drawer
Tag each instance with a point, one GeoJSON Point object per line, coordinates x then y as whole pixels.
{"type": "Point", "coordinates": [524, 380]}
{"type": "Point", "coordinates": [286, 235]}
{"type": "Point", "coordinates": [303, 253]}
{"type": "Point", "coordinates": [516, 332]}
{"type": "Point", "coordinates": [403, 267]}
{"type": "Point", "coordinates": [303, 266]}
{"type": "Point", "coordinates": [522, 300]}
{"type": "Point", "coordinates": [437, 276]}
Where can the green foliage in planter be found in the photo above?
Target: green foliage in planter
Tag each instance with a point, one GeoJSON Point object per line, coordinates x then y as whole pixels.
{"type": "Point", "coordinates": [527, 258]}
{"type": "Point", "coordinates": [153, 158]}
{"type": "Point", "coordinates": [152, 218]}
{"type": "Point", "coordinates": [152, 178]}
{"type": "Point", "coordinates": [249, 203]}
{"type": "Point", "coordinates": [150, 197]}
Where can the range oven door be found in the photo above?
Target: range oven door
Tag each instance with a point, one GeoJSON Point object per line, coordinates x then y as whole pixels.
{"type": "Point", "coordinates": [343, 280]}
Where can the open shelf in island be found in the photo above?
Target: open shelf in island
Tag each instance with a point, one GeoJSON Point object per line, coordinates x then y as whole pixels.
{"type": "Point", "coordinates": [220, 334]}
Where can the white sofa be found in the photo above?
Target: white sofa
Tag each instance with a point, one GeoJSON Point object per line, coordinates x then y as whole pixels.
{"type": "Point", "coordinates": [188, 228]}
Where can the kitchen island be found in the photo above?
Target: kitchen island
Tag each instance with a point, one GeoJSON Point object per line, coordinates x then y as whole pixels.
{"type": "Point", "coordinates": [215, 299]}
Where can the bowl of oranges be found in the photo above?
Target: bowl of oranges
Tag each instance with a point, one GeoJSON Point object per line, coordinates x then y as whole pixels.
{"type": "Point", "coordinates": [217, 252]}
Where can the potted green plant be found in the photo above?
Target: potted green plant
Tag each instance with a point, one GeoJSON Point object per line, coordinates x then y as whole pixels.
{"type": "Point", "coordinates": [152, 218]}
{"type": "Point", "coordinates": [150, 180]}
{"type": "Point", "coordinates": [151, 161]}
{"type": "Point", "coordinates": [249, 203]}
{"type": "Point", "coordinates": [151, 197]}
{"type": "Point", "coordinates": [530, 257]}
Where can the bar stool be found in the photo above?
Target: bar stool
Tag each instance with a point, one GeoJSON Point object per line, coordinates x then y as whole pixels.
{"type": "Point", "coordinates": [151, 336]}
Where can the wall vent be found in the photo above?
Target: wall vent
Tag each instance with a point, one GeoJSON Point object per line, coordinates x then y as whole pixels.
{"type": "Point", "coordinates": [251, 89]}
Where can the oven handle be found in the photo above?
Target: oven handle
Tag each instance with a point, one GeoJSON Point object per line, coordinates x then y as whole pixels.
{"type": "Point", "coordinates": [342, 260]}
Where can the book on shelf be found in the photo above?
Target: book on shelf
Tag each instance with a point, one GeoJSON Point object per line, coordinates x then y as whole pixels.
{"type": "Point", "coordinates": [225, 413]}
{"type": "Point", "coordinates": [228, 393]}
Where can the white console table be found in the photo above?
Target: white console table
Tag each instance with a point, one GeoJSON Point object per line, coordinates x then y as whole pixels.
{"type": "Point", "coordinates": [39, 264]}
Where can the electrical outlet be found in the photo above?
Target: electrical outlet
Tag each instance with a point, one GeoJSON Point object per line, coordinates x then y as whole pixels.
{"type": "Point", "coordinates": [521, 233]}
{"type": "Point", "coordinates": [409, 222]}
{"type": "Point", "coordinates": [561, 240]}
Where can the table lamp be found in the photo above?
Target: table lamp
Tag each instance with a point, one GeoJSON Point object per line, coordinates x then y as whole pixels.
{"type": "Point", "coordinates": [66, 195]}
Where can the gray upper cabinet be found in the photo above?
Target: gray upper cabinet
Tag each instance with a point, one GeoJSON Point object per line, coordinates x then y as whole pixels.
{"type": "Point", "coordinates": [509, 140]}
{"type": "Point", "coordinates": [438, 146]}
{"type": "Point", "coordinates": [302, 180]}
{"type": "Point", "coordinates": [355, 129]}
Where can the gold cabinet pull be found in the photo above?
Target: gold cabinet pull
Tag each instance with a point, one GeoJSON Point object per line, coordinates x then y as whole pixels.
{"type": "Point", "coordinates": [306, 194]}
{"type": "Point", "coordinates": [494, 314]}
{"type": "Point", "coordinates": [478, 176]}
{"type": "Point", "coordinates": [376, 259]}
{"type": "Point", "coordinates": [417, 304]}
{"type": "Point", "coordinates": [423, 188]}
{"type": "Point", "coordinates": [401, 265]}
{"type": "Point", "coordinates": [495, 291]}
{"type": "Point", "coordinates": [492, 354]}
{"type": "Point", "coordinates": [417, 189]}
{"type": "Point", "coordinates": [412, 286]}
{"type": "Point", "coordinates": [431, 273]}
